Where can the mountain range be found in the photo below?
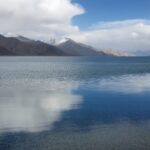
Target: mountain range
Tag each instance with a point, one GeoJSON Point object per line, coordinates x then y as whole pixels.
{"type": "Point", "coordinates": [22, 46]}
{"type": "Point", "coordinates": [78, 49]}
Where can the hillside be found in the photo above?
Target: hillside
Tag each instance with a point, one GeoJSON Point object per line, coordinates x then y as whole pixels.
{"type": "Point", "coordinates": [25, 47]}
{"type": "Point", "coordinates": [78, 49]}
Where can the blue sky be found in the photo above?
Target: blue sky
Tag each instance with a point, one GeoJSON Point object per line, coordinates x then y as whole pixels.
{"type": "Point", "coordinates": [111, 10]}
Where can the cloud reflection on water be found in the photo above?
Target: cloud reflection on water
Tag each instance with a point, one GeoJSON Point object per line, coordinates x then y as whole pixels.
{"type": "Point", "coordinates": [33, 106]}
{"type": "Point", "coordinates": [126, 84]}
{"type": "Point", "coordinates": [32, 110]}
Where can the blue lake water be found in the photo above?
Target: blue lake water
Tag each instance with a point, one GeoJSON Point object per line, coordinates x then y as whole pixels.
{"type": "Point", "coordinates": [74, 103]}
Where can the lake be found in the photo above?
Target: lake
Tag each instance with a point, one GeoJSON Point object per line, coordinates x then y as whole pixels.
{"type": "Point", "coordinates": [74, 103]}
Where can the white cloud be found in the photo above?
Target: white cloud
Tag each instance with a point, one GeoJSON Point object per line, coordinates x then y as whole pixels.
{"type": "Point", "coordinates": [38, 18]}
{"type": "Point", "coordinates": [128, 35]}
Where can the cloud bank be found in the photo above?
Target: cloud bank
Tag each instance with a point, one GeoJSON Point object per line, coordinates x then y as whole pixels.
{"type": "Point", "coordinates": [38, 19]}
{"type": "Point", "coordinates": [127, 35]}
{"type": "Point", "coordinates": [45, 19]}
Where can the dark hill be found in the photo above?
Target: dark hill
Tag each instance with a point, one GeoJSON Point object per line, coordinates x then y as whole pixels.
{"type": "Point", "coordinates": [24, 47]}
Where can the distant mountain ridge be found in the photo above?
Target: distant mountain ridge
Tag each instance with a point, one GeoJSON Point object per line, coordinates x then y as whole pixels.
{"type": "Point", "coordinates": [24, 39]}
{"type": "Point", "coordinates": [78, 49]}
{"type": "Point", "coordinates": [116, 53]}
{"type": "Point", "coordinates": [22, 46]}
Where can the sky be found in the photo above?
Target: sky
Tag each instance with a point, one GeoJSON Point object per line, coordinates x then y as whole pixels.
{"type": "Point", "coordinates": [112, 10]}
{"type": "Point", "coordinates": [117, 24]}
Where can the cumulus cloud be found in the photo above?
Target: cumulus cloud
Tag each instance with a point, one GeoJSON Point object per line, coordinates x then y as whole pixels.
{"type": "Point", "coordinates": [38, 18]}
{"type": "Point", "coordinates": [129, 35]}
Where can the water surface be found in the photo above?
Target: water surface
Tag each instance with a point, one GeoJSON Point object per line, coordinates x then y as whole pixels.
{"type": "Point", "coordinates": [74, 103]}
